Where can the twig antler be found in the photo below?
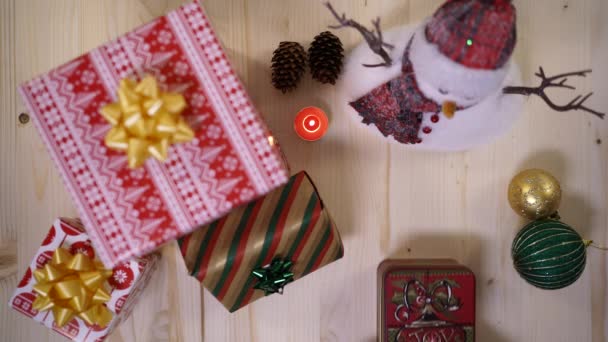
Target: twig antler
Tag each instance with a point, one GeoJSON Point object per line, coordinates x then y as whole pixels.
{"type": "Point", "coordinates": [373, 38]}
{"type": "Point", "coordinates": [558, 81]}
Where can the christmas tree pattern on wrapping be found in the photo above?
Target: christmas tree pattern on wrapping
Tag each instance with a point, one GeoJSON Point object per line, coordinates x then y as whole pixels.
{"type": "Point", "coordinates": [290, 222]}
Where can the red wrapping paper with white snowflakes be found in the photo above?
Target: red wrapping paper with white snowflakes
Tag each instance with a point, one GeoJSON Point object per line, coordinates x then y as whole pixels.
{"type": "Point", "coordinates": [232, 160]}
{"type": "Point", "coordinates": [127, 282]}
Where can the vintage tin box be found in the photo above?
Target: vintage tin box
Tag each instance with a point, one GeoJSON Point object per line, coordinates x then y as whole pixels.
{"type": "Point", "coordinates": [425, 300]}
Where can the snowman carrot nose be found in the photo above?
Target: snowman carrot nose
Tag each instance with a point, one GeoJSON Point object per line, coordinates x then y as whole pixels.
{"type": "Point", "coordinates": [448, 108]}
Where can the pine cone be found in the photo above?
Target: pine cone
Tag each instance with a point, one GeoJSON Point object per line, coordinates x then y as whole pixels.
{"type": "Point", "coordinates": [288, 65]}
{"type": "Point", "coordinates": [325, 57]}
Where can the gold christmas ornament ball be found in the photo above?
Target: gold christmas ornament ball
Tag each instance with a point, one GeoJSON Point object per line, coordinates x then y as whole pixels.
{"type": "Point", "coordinates": [534, 194]}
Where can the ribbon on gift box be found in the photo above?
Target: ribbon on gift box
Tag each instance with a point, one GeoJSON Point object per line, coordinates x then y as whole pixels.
{"type": "Point", "coordinates": [436, 298]}
{"type": "Point", "coordinates": [273, 277]}
{"type": "Point", "coordinates": [73, 285]}
{"type": "Point", "coordinates": [146, 121]}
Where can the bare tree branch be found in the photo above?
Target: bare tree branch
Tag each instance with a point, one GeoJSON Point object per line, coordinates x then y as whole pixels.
{"type": "Point", "coordinates": [373, 38]}
{"type": "Point", "coordinates": [557, 81]}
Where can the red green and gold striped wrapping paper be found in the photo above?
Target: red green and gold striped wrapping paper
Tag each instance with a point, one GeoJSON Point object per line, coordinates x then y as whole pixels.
{"type": "Point", "coordinates": [291, 222]}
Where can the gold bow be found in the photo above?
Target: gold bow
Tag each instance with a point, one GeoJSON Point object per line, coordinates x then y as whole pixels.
{"type": "Point", "coordinates": [73, 285]}
{"type": "Point", "coordinates": [145, 120]}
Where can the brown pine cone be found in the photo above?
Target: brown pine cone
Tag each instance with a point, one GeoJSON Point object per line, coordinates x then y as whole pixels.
{"type": "Point", "coordinates": [325, 57]}
{"type": "Point", "coordinates": [288, 65]}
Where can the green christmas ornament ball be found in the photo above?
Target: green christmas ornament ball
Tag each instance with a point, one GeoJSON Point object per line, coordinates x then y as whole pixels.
{"type": "Point", "coordinates": [549, 254]}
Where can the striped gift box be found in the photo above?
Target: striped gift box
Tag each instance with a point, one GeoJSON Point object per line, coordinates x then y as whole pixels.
{"type": "Point", "coordinates": [290, 223]}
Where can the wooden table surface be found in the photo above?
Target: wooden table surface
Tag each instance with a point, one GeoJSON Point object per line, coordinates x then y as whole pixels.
{"type": "Point", "coordinates": [388, 201]}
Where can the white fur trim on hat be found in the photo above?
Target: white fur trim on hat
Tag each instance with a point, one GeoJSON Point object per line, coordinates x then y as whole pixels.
{"type": "Point", "coordinates": [434, 71]}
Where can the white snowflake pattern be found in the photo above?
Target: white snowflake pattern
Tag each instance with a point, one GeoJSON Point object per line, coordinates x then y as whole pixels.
{"type": "Point", "coordinates": [120, 60]}
{"type": "Point", "coordinates": [37, 87]}
{"type": "Point", "coordinates": [204, 37]}
{"type": "Point", "coordinates": [77, 164]}
{"type": "Point", "coordinates": [177, 172]}
{"type": "Point", "coordinates": [82, 250]}
{"type": "Point", "coordinates": [198, 100]}
{"type": "Point", "coordinates": [230, 163]}
{"type": "Point", "coordinates": [114, 241]}
{"type": "Point", "coordinates": [192, 200]}
{"type": "Point", "coordinates": [186, 189]}
{"type": "Point", "coordinates": [44, 100]}
{"type": "Point", "coordinates": [271, 163]}
{"type": "Point", "coordinates": [59, 132]}
{"type": "Point", "coordinates": [153, 203]}
{"type": "Point", "coordinates": [93, 195]}
{"type": "Point", "coordinates": [41, 259]}
{"type": "Point", "coordinates": [195, 206]}
{"type": "Point", "coordinates": [102, 212]}
{"type": "Point", "coordinates": [53, 117]}
{"type": "Point", "coordinates": [164, 37]}
{"type": "Point", "coordinates": [214, 132]}
{"type": "Point", "coordinates": [69, 148]}
{"type": "Point", "coordinates": [196, 18]}
{"type": "Point", "coordinates": [169, 234]}
{"type": "Point", "coordinates": [137, 173]}
{"type": "Point", "coordinates": [201, 215]}
{"type": "Point", "coordinates": [246, 193]}
{"type": "Point", "coordinates": [84, 180]}
{"type": "Point", "coordinates": [181, 68]}
{"type": "Point", "coordinates": [87, 77]}
{"type": "Point", "coordinates": [120, 276]}
{"type": "Point", "coordinates": [221, 69]}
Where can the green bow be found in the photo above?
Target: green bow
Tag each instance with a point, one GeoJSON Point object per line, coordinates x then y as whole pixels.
{"type": "Point", "coordinates": [273, 277]}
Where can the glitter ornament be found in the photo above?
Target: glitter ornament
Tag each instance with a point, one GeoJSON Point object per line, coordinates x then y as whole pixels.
{"type": "Point", "coordinates": [534, 194]}
{"type": "Point", "coordinates": [549, 254]}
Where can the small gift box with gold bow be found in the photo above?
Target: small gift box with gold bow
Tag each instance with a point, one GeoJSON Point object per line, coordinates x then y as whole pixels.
{"type": "Point", "coordinates": [154, 135]}
{"type": "Point", "coordinates": [68, 289]}
{"type": "Point", "coordinates": [259, 248]}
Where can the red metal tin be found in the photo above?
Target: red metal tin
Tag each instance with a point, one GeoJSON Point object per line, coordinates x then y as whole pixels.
{"type": "Point", "coordinates": [425, 301]}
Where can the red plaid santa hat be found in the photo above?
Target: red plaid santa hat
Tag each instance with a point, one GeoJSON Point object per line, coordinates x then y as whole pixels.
{"type": "Point", "coordinates": [466, 43]}
{"type": "Point", "coordinates": [478, 34]}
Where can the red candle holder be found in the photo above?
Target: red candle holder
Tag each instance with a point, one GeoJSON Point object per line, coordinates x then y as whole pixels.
{"type": "Point", "coordinates": [311, 124]}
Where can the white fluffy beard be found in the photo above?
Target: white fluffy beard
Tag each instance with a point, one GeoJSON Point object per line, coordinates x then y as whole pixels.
{"type": "Point", "coordinates": [481, 123]}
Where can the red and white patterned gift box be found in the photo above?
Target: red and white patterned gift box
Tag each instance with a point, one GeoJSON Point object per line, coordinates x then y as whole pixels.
{"type": "Point", "coordinates": [127, 282]}
{"type": "Point", "coordinates": [130, 212]}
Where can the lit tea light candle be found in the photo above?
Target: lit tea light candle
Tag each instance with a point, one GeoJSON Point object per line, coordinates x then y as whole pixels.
{"type": "Point", "coordinates": [311, 123]}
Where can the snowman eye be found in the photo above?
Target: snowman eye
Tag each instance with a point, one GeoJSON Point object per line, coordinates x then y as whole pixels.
{"type": "Point", "coordinates": [469, 98]}
{"type": "Point", "coordinates": [443, 91]}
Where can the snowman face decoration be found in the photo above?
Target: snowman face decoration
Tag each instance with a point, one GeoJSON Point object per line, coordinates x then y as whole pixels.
{"type": "Point", "coordinates": [442, 79]}
{"type": "Point", "coordinates": [443, 84]}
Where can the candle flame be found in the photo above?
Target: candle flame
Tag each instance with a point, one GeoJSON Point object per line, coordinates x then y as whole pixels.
{"type": "Point", "coordinates": [312, 123]}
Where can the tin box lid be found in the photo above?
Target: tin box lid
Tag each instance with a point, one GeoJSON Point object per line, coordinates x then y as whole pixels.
{"type": "Point", "coordinates": [425, 294]}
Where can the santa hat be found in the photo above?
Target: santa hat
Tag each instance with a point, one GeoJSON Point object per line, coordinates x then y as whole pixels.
{"type": "Point", "coordinates": [466, 44]}
{"type": "Point", "coordinates": [478, 34]}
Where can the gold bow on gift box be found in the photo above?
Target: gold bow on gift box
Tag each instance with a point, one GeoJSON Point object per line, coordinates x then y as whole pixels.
{"type": "Point", "coordinates": [146, 121]}
{"type": "Point", "coordinates": [73, 285]}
